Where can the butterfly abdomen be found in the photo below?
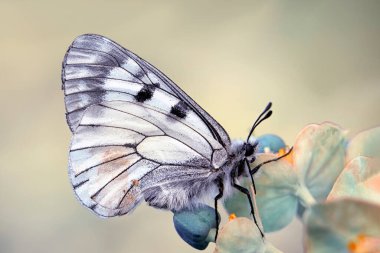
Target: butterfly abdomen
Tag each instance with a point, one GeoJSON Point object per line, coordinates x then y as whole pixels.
{"type": "Point", "coordinates": [184, 194]}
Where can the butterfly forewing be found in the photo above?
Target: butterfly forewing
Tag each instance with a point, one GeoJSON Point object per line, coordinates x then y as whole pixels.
{"type": "Point", "coordinates": [97, 67]}
{"type": "Point", "coordinates": [136, 135]}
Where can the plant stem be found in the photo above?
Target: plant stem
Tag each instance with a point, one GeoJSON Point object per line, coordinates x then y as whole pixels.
{"type": "Point", "coordinates": [305, 196]}
{"type": "Point", "coordinates": [252, 191]}
{"type": "Point", "coordinates": [272, 249]}
{"type": "Point", "coordinates": [211, 235]}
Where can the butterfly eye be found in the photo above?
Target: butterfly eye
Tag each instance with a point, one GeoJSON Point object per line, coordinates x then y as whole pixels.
{"type": "Point", "coordinates": [249, 148]}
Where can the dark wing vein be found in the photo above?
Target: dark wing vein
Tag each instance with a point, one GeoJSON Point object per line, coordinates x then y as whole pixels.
{"type": "Point", "coordinates": [168, 115]}
{"type": "Point", "coordinates": [108, 126]}
{"type": "Point", "coordinates": [119, 65]}
{"type": "Point", "coordinates": [81, 183]}
{"type": "Point", "coordinates": [98, 191]}
{"type": "Point", "coordinates": [113, 58]}
{"type": "Point", "coordinates": [112, 160]}
{"type": "Point", "coordinates": [134, 116]}
{"type": "Point", "coordinates": [105, 145]}
{"type": "Point", "coordinates": [177, 165]}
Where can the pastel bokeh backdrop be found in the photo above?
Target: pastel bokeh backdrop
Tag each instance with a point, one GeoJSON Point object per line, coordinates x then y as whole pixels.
{"type": "Point", "coordinates": [315, 61]}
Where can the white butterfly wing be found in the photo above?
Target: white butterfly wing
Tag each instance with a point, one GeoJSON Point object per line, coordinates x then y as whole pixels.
{"type": "Point", "coordinates": [120, 149]}
{"type": "Point", "coordinates": [97, 69]}
{"type": "Point", "coordinates": [133, 129]}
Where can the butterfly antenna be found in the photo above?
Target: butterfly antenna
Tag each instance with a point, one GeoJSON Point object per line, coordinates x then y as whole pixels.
{"type": "Point", "coordinates": [263, 116]}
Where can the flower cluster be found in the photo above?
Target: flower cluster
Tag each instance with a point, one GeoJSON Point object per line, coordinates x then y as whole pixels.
{"type": "Point", "coordinates": [328, 181]}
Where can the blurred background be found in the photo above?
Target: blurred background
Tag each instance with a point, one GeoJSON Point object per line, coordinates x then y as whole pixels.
{"type": "Point", "coordinates": [316, 61]}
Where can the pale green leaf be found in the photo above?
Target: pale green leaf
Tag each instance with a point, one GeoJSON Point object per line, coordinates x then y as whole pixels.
{"type": "Point", "coordinates": [319, 153]}
{"type": "Point", "coordinates": [360, 178]}
{"type": "Point", "coordinates": [343, 225]}
{"type": "Point", "coordinates": [366, 143]}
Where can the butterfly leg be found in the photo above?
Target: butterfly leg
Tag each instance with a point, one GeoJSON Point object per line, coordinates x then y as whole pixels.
{"type": "Point", "coordinates": [220, 185]}
{"type": "Point", "coordinates": [246, 192]}
{"type": "Point", "coordinates": [251, 175]}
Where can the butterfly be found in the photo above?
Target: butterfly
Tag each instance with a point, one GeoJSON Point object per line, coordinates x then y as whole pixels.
{"type": "Point", "coordinates": [138, 137]}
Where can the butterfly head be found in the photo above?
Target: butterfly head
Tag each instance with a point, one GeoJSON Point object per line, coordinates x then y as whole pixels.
{"type": "Point", "coordinates": [244, 149]}
{"type": "Point", "coordinates": [250, 148]}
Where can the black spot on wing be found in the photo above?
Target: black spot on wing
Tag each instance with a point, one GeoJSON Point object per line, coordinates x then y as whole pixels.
{"type": "Point", "coordinates": [180, 109]}
{"type": "Point", "coordinates": [145, 93]}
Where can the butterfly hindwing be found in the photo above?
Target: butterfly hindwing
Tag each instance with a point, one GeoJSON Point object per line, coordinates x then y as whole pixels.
{"type": "Point", "coordinates": [116, 155]}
